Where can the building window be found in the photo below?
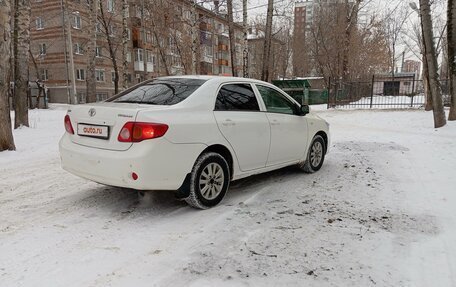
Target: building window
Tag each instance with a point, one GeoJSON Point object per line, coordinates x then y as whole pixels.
{"type": "Point", "coordinates": [80, 74]}
{"type": "Point", "coordinates": [44, 74]}
{"type": "Point", "coordinates": [138, 11]}
{"type": "Point", "coordinates": [110, 6]}
{"type": "Point", "coordinates": [139, 55]}
{"type": "Point", "coordinates": [113, 76]}
{"type": "Point", "coordinates": [129, 57]}
{"type": "Point", "coordinates": [42, 49]}
{"type": "Point", "coordinates": [100, 75]}
{"type": "Point", "coordinates": [101, 97]}
{"type": "Point", "coordinates": [76, 20]}
{"type": "Point", "coordinates": [78, 49]}
{"type": "Point", "coordinates": [129, 78]}
{"type": "Point", "coordinates": [39, 23]}
{"type": "Point", "coordinates": [112, 30]}
{"type": "Point", "coordinates": [98, 51]}
{"type": "Point", "coordinates": [82, 98]}
{"type": "Point", "coordinates": [98, 27]}
{"type": "Point", "coordinates": [149, 57]}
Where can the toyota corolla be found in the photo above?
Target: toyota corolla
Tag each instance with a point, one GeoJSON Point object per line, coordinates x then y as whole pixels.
{"type": "Point", "coordinates": [192, 135]}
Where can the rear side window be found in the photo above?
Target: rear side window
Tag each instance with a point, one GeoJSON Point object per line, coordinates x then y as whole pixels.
{"type": "Point", "coordinates": [160, 92]}
{"type": "Point", "coordinates": [236, 97]}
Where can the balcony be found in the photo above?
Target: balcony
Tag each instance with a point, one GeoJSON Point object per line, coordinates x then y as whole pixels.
{"type": "Point", "coordinates": [223, 62]}
{"type": "Point", "coordinates": [223, 47]}
{"type": "Point", "coordinates": [205, 26]}
{"type": "Point", "coordinates": [139, 66]}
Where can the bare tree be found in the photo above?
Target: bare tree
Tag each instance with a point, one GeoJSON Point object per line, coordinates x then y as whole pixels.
{"type": "Point", "coordinates": [124, 44]}
{"type": "Point", "coordinates": [245, 45]}
{"type": "Point", "coordinates": [451, 42]}
{"type": "Point", "coordinates": [21, 61]}
{"type": "Point", "coordinates": [229, 5]}
{"type": "Point", "coordinates": [194, 36]}
{"type": "Point", "coordinates": [351, 21]}
{"type": "Point", "coordinates": [38, 82]}
{"type": "Point", "coordinates": [91, 84]}
{"type": "Point", "coordinates": [394, 26]}
{"type": "Point", "coordinates": [6, 134]}
{"type": "Point", "coordinates": [368, 49]}
{"type": "Point", "coordinates": [426, 23]}
{"type": "Point", "coordinates": [267, 42]}
{"type": "Point", "coordinates": [108, 27]}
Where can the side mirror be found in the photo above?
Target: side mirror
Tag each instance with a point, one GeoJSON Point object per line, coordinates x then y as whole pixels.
{"type": "Point", "coordinates": [304, 109]}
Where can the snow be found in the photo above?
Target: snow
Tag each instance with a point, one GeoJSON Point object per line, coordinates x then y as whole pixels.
{"type": "Point", "coordinates": [380, 212]}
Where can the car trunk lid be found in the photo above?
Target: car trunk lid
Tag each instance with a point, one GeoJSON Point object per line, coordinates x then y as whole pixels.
{"type": "Point", "coordinates": [105, 118]}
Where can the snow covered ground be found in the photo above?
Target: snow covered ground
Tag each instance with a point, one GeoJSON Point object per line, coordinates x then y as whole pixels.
{"type": "Point", "coordinates": [380, 212]}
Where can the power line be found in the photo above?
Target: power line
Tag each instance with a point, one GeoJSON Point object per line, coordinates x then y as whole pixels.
{"type": "Point", "coordinates": [259, 6]}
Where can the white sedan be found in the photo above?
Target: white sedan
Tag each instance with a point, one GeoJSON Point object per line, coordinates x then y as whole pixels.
{"type": "Point", "coordinates": [192, 135]}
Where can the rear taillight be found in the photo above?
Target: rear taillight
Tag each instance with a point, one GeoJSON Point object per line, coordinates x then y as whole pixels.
{"type": "Point", "coordinates": [68, 126]}
{"type": "Point", "coordinates": [136, 131]}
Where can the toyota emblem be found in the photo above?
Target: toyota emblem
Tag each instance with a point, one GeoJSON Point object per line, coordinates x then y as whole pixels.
{"type": "Point", "coordinates": [92, 112]}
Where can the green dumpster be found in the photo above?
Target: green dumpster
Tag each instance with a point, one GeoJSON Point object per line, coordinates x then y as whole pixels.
{"type": "Point", "coordinates": [301, 91]}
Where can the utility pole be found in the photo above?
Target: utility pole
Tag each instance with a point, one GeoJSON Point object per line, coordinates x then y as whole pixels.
{"type": "Point", "coordinates": [73, 76]}
{"type": "Point", "coordinates": [65, 53]}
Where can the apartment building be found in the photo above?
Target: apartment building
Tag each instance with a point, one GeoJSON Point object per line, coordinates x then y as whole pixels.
{"type": "Point", "coordinates": [412, 66]}
{"type": "Point", "coordinates": [306, 12]}
{"type": "Point", "coordinates": [161, 36]}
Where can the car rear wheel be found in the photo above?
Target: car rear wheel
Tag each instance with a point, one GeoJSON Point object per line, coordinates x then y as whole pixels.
{"type": "Point", "coordinates": [209, 181]}
{"type": "Point", "coordinates": [315, 156]}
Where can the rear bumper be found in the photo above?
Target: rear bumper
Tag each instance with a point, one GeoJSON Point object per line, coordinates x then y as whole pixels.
{"type": "Point", "coordinates": [159, 164]}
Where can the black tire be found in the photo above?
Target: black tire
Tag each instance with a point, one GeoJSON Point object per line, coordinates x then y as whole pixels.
{"type": "Point", "coordinates": [315, 155]}
{"type": "Point", "coordinates": [208, 189]}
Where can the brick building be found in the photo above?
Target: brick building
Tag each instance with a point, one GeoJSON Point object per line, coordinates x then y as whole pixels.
{"type": "Point", "coordinates": [160, 43]}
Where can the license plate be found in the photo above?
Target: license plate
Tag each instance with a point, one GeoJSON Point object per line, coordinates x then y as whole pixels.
{"type": "Point", "coordinates": [93, 131]}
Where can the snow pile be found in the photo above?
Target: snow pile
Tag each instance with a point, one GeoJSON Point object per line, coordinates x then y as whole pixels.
{"type": "Point", "coordinates": [380, 212]}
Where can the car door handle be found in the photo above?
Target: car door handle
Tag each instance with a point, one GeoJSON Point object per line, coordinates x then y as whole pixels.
{"type": "Point", "coordinates": [228, 122]}
{"type": "Point", "coordinates": [275, 123]}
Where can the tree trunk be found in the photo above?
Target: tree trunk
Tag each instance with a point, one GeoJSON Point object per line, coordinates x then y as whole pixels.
{"type": "Point", "coordinates": [350, 21]}
{"type": "Point", "coordinates": [451, 34]}
{"type": "Point", "coordinates": [427, 88]}
{"type": "Point", "coordinates": [111, 48]}
{"type": "Point", "coordinates": [267, 42]}
{"type": "Point", "coordinates": [229, 5]}
{"type": "Point", "coordinates": [6, 134]}
{"type": "Point", "coordinates": [426, 22]}
{"type": "Point", "coordinates": [21, 63]}
{"type": "Point", "coordinates": [39, 85]}
{"type": "Point", "coordinates": [124, 44]}
{"type": "Point", "coordinates": [245, 52]}
{"type": "Point", "coordinates": [194, 35]}
{"type": "Point", "coordinates": [91, 83]}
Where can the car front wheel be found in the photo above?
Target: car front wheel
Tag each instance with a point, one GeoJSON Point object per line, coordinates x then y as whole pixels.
{"type": "Point", "coordinates": [209, 181]}
{"type": "Point", "coordinates": [315, 155]}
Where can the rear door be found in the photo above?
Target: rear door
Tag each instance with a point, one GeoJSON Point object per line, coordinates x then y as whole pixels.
{"type": "Point", "coordinates": [288, 130]}
{"type": "Point", "coordinates": [240, 121]}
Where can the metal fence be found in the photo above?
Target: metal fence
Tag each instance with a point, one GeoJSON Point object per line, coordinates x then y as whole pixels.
{"type": "Point", "coordinates": [380, 93]}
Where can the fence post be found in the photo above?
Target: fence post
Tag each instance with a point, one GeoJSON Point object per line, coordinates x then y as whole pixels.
{"type": "Point", "coordinates": [372, 91]}
{"type": "Point", "coordinates": [413, 91]}
{"type": "Point", "coordinates": [329, 92]}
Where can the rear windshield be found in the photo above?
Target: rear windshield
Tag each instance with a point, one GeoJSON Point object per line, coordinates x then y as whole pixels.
{"type": "Point", "coordinates": [160, 92]}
